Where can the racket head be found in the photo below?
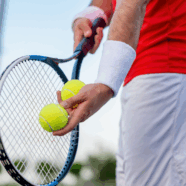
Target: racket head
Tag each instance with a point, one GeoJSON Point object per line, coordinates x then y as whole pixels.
{"type": "Point", "coordinates": [31, 155]}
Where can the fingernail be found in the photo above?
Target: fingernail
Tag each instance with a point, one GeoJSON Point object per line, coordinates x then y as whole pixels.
{"type": "Point", "coordinates": [64, 104]}
{"type": "Point", "coordinates": [87, 32]}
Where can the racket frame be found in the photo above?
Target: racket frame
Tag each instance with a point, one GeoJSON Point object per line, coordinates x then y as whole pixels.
{"type": "Point", "coordinates": [80, 52]}
{"type": "Point", "coordinates": [74, 138]}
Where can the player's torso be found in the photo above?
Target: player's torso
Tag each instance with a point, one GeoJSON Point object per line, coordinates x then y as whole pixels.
{"type": "Point", "coordinates": [162, 42]}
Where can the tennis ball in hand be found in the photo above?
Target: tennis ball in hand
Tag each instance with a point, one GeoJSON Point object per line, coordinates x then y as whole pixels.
{"type": "Point", "coordinates": [71, 88]}
{"type": "Point", "coordinates": [53, 117]}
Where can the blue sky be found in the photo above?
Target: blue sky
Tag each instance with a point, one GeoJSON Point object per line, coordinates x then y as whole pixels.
{"type": "Point", "coordinates": [44, 28]}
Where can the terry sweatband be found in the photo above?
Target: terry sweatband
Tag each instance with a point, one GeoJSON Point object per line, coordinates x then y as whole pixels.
{"type": "Point", "coordinates": [91, 12]}
{"type": "Point", "coordinates": [116, 61]}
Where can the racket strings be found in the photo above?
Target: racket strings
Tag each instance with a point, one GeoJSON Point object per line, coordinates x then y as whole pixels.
{"type": "Point", "coordinates": [35, 153]}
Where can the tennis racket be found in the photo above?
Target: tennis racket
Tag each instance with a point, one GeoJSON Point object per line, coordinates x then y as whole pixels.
{"type": "Point", "coordinates": [29, 154]}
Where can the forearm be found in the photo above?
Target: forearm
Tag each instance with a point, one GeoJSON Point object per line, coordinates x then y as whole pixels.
{"type": "Point", "coordinates": [106, 6]}
{"type": "Point", "coordinates": [119, 50]}
{"type": "Point", "coordinates": [127, 21]}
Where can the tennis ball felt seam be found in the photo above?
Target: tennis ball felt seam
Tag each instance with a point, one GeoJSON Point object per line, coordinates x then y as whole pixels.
{"type": "Point", "coordinates": [62, 111]}
{"type": "Point", "coordinates": [46, 122]}
{"type": "Point", "coordinates": [53, 117]}
{"type": "Point", "coordinates": [69, 91]}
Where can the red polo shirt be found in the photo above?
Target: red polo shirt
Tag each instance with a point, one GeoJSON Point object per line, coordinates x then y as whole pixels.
{"type": "Point", "coordinates": [162, 42]}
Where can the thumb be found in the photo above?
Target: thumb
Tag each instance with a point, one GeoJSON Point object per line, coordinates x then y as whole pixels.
{"type": "Point", "coordinates": [71, 102]}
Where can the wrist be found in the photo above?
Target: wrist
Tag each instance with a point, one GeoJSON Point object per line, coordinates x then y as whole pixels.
{"type": "Point", "coordinates": [91, 13]}
{"type": "Point", "coordinates": [116, 60]}
{"type": "Point", "coordinates": [106, 89]}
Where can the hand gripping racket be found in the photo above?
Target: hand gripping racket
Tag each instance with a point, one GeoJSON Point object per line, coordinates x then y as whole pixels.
{"type": "Point", "coordinates": [31, 155]}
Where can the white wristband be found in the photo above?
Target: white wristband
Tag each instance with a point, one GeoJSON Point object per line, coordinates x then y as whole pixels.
{"type": "Point", "coordinates": [91, 12]}
{"type": "Point", "coordinates": [116, 61]}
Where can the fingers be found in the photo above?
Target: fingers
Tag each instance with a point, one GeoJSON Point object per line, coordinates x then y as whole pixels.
{"type": "Point", "coordinates": [82, 28]}
{"type": "Point", "coordinates": [78, 36]}
{"type": "Point", "coordinates": [69, 110]}
{"type": "Point", "coordinates": [77, 99]}
{"type": "Point", "coordinates": [89, 99]}
{"type": "Point", "coordinates": [97, 40]}
{"type": "Point", "coordinates": [86, 28]}
{"type": "Point", "coordinates": [75, 115]}
{"type": "Point", "coordinates": [59, 96]}
{"type": "Point", "coordinates": [78, 116]}
{"type": "Point", "coordinates": [69, 104]}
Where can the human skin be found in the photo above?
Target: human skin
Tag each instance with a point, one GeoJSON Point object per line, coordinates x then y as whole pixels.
{"type": "Point", "coordinates": [125, 26]}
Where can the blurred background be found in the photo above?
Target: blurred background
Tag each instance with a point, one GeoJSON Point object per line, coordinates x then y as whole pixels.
{"type": "Point", "coordinates": [44, 28]}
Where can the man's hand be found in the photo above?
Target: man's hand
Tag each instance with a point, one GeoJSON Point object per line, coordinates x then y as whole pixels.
{"type": "Point", "coordinates": [82, 28]}
{"type": "Point", "coordinates": [89, 99]}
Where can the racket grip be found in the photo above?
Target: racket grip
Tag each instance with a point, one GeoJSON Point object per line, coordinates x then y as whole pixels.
{"type": "Point", "coordinates": [87, 44]}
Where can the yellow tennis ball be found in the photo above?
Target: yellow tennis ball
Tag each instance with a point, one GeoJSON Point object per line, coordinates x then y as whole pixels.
{"type": "Point", "coordinates": [71, 88]}
{"type": "Point", "coordinates": [53, 117]}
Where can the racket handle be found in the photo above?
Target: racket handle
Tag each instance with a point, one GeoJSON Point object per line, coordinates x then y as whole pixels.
{"type": "Point", "coordinates": [87, 44]}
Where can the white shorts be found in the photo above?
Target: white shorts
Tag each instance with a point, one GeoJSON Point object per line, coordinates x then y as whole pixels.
{"type": "Point", "coordinates": [152, 142]}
